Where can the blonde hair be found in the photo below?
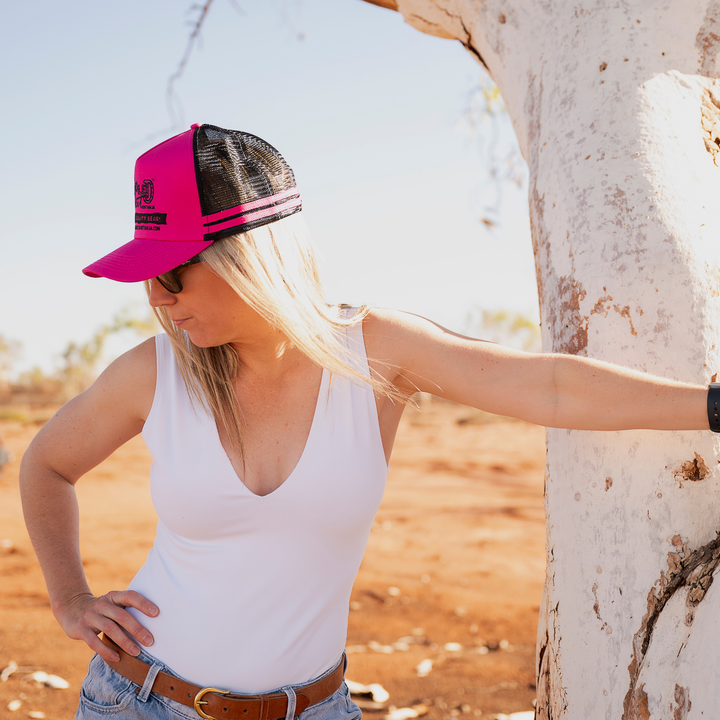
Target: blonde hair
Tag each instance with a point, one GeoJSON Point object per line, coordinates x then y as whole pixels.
{"type": "Point", "coordinates": [273, 268]}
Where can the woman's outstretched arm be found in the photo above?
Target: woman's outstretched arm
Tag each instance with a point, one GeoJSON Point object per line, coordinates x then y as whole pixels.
{"type": "Point", "coordinates": [80, 436]}
{"type": "Point", "coordinates": [554, 390]}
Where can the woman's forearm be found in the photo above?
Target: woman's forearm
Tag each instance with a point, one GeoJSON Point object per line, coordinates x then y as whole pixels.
{"type": "Point", "coordinates": [51, 515]}
{"type": "Point", "coordinates": [588, 394]}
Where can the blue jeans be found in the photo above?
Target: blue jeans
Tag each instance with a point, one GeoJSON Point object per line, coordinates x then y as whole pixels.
{"type": "Point", "coordinates": [106, 693]}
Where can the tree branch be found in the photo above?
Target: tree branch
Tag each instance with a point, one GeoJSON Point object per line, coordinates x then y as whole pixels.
{"type": "Point", "coordinates": [389, 4]}
{"type": "Point", "coordinates": [171, 98]}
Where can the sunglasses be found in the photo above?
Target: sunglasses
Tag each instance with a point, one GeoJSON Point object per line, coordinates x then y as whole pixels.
{"type": "Point", "coordinates": [170, 279]}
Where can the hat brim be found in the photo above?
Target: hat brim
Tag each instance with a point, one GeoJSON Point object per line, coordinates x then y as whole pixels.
{"type": "Point", "coordinates": [142, 259]}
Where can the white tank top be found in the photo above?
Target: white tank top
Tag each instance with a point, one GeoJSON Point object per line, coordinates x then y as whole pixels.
{"type": "Point", "coordinates": [254, 590]}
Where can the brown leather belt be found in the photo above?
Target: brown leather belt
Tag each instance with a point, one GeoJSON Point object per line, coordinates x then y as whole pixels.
{"type": "Point", "coordinates": [215, 703]}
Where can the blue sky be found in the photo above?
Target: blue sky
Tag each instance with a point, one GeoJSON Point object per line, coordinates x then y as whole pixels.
{"type": "Point", "coordinates": [368, 111]}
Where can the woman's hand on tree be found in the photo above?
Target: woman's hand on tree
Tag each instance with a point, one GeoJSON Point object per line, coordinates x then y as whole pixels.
{"type": "Point", "coordinates": [85, 616]}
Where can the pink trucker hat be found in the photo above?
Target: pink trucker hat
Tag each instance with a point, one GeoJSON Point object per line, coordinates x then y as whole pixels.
{"type": "Point", "coordinates": [197, 187]}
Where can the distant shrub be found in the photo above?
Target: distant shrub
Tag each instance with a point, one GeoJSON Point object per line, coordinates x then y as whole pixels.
{"type": "Point", "coordinates": [79, 364]}
{"type": "Point", "coordinates": [505, 328]}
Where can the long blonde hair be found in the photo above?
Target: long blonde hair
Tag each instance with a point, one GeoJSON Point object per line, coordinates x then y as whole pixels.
{"type": "Point", "coordinates": [274, 269]}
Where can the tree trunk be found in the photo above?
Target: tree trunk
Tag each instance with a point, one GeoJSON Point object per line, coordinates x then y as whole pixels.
{"type": "Point", "coordinates": [616, 110]}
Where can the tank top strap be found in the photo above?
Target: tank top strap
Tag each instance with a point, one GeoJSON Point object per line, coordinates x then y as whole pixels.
{"type": "Point", "coordinates": [355, 341]}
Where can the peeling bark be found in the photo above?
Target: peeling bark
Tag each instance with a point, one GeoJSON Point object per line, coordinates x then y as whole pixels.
{"type": "Point", "coordinates": [551, 702]}
{"type": "Point", "coordinates": [561, 296]}
{"type": "Point", "coordinates": [693, 470]}
{"type": "Point", "coordinates": [682, 698]}
{"type": "Point", "coordinates": [596, 607]}
{"type": "Point", "coordinates": [710, 121]}
{"type": "Point", "coordinates": [708, 39]}
{"type": "Point", "coordinates": [640, 710]}
{"type": "Point", "coordinates": [543, 683]}
{"type": "Point", "coordinates": [695, 572]}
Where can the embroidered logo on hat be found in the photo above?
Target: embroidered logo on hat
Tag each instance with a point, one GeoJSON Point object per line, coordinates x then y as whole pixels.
{"type": "Point", "coordinates": [144, 193]}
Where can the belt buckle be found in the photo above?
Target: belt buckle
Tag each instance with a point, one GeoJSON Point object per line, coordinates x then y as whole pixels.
{"type": "Point", "coordinates": [199, 701]}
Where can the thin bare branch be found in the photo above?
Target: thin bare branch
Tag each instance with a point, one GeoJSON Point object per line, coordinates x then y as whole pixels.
{"type": "Point", "coordinates": [174, 105]}
{"type": "Point", "coordinates": [484, 115]}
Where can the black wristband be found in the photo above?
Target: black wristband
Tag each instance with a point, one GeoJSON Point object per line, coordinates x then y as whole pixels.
{"type": "Point", "coordinates": [713, 406]}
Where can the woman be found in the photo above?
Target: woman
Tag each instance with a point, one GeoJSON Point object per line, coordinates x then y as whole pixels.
{"type": "Point", "coordinates": [270, 417]}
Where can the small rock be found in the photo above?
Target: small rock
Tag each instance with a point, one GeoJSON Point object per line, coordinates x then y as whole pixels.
{"type": "Point", "coordinates": [411, 639]}
{"type": "Point", "coordinates": [453, 647]}
{"type": "Point", "coordinates": [424, 668]}
{"type": "Point", "coordinates": [53, 681]}
{"type": "Point", "coordinates": [378, 648]}
{"type": "Point", "coordinates": [375, 690]}
{"type": "Point", "coordinates": [39, 676]}
{"type": "Point", "coordinates": [38, 714]}
{"type": "Point", "coordinates": [394, 591]}
{"type": "Point", "coordinates": [8, 671]}
{"type": "Point", "coordinates": [406, 713]}
{"type": "Point", "coordinates": [378, 692]}
{"type": "Point", "coordinates": [14, 705]}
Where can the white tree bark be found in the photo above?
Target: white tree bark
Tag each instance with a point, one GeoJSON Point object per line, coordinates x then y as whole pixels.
{"type": "Point", "coordinates": [615, 105]}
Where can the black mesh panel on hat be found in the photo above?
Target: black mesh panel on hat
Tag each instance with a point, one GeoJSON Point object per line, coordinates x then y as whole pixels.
{"type": "Point", "coordinates": [234, 168]}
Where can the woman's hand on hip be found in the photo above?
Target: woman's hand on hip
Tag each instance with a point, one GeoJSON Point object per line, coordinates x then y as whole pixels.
{"type": "Point", "coordinates": [85, 616]}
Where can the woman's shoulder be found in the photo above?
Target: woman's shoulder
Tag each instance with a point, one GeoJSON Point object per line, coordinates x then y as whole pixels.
{"type": "Point", "coordinates": [96, 422]}
{"type": "Point", "coordinates": [392, 336]}
{"type": "Point", "coordinates": [377, 319]}
{"type": "Point", "coordinates": [390, 329]}
{"type": "Point", "coordinates": [140, 359]}
{"type": "Point", "coordinates": [410, 342]}
{"type": "Point", "coordinates": [132, 377]}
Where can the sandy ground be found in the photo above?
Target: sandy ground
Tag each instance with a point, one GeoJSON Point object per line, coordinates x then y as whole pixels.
{"type": "Point", "coordinates": [453, 572]}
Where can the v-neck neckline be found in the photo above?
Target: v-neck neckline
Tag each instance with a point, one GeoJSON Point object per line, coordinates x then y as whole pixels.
{"type": "Point", "coordinates": [322, 390]}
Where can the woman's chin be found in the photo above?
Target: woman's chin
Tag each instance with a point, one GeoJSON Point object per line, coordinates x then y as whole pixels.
{"type": "Point", "coordinates": [204, 342]}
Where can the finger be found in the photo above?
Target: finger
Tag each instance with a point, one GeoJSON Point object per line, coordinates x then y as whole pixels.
{"type": "Point", "coordinates": [130, 598]}
{"type": "Point", "coordinates": [109, 614]}
{"type": "Point", "coordinates": [102, 623]}
{"type": "Point", "coordinates": [98, 646]}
